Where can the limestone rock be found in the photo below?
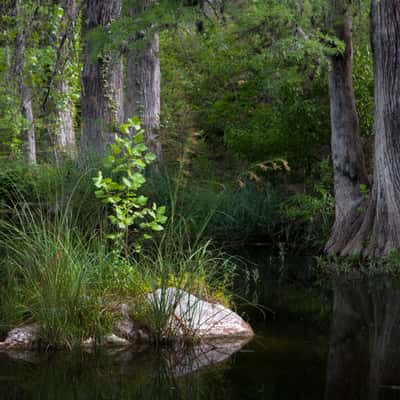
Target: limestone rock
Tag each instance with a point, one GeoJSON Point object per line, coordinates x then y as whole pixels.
{"type": "Point", "coordinates": [129, 330]}
{"type": "Point", "coordinates": [113, 340]}
{"type": "Point", "coordinates": [21, 337]}
{"type": "Point", "coordinates": [192, 316]}
{"type": "Point", "coordinates": [88, 343]}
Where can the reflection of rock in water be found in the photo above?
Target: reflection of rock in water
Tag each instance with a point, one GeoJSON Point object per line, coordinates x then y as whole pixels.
{"type": "Point", "coordinates": [371, 306]}
{"type": "Point", "coordinates": [183, 361]}
{"type": "Point", "coordinates": [117, 374]}
{"type": "Point", "coordinates": [27, 356]}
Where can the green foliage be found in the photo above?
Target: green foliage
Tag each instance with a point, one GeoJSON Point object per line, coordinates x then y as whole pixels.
{"type": "Point", "coordinates": [130, 213]}
{"type": "Point", "coordinates": [51, 57]}
{"type": "Point", "coordinates": [364, 88]}
{"type": "Point", "coordinates": [48, 188]}
{"type": "Point", "coordinates": [357, 267]}
{"type": "Point", "coordinates": [48, 273]}
{"type": "Point", "coordinates": [311, 215]}
{"type": "Point", "coordinates": [226, 213]}
{"type": "Point", "coordinates": [252, 82]}
{"type": "Point", "coordinates": [68, 283]}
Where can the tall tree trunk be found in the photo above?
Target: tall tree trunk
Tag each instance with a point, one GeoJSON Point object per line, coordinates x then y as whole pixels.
{"type": "Point", "coordinates": [102, 85]}
{"type": "Point", "coordinates": [347, 154]}
{"type": "Point", "coordinates": [143, 78]}
{"type": "Point", "coordinates": [65, 134]}
{"type": "Point", "coordinates": [28, 135]}
{"type": "Point", "coordinates": [379, 233]}
{"type": "Point", "coordinates": [23, 90]}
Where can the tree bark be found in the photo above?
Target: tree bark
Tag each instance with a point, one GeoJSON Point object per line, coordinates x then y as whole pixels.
{"type": "Point", "coordinates": [23, 90]}
{"type": "Point", "coordinates": [102, 85]}
{"type": "Point", "coordinates": [143, 79]}
{"type": "Point", "coordinates": [28, 135]}
{"type": "Point", "coordinates": [379, 233]}
{"type": "Point", "coordinates": [65, 134]}
{"type": "Point", "coordinates": [347, 154]}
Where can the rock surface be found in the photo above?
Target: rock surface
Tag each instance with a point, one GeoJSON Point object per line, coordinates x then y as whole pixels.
{"type": "Point", "coordinates": [113, 340]}
{"type": "Point", "coordinates": [21, 337]}
{"type": "Point", "coordinates": [191, 316]}
{"type": "Point", "coordinates": [187, 317]}
{"type": "Point", "coordinates": [127, 329]}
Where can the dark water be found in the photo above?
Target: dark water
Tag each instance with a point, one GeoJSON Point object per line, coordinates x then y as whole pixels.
{"type": "Point", "coordinates": [340, 344]}
{"type": "Point", "coordinates": [275, 365]}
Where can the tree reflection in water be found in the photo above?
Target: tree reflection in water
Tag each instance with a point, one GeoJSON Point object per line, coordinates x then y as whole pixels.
{"type": "Point", "coordinates": [365, 308]}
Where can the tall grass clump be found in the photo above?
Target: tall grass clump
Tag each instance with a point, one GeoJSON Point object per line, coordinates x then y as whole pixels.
{"type": "Point", "coordinates": [189, 266]}
{"type": "Point", "coordinates": [71, 283]}
{"type": "Point", "coordinates": [49, 277]}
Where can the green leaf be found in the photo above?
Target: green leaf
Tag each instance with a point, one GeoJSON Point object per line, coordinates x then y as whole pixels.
{"type": "Point", "coordinates": [115, 149]}
{"type": "Point", "coordinates": [99, 194]}
{"type": "Point", "coordinates": [127, 182]}
{"type": "Point", "coordinates": [138, 138]}
{"type": "Point", "coordinates": [121, 225]}
{"type": "Point", "coordinates": [161, 210]}
{"type": "Point", "coordinates": [150, 157]}
{"type": "Point", "coordinates": [98, 179]}
{"type": "Point", "coordinates": [135, 122]}
{"type": "Point", "coordinates": [157, 227]}
{"type": "Point", "coordinates": [141, 148]}
{"type": "Point", "coordinates": [124, 128]}
{"type": "Point", "coordinates": [162, 220]}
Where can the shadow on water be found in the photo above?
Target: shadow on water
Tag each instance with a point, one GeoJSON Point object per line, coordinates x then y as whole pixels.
{"type": "Point", "coordinates": [354, 354]}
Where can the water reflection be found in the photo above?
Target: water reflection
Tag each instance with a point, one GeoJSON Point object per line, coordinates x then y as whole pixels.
{"type": "Point", "coordinates": [282, 363]}
{"type": "Point", "coordinates": [365, 340]}
{"type": "Point", "coordinates": [290, 359]}
{"type": "Point", "coordinates": [174, 373]}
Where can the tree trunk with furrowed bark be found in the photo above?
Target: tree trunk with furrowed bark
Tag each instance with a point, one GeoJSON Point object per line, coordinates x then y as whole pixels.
{"type": "Point", "coordinates": [379, 233]}
{"type": "Point", "coordinates": [65, 134]}
{"type": "Point", "coordinates": [143, 78]}
{"type": "Point", "coordinates": [347, 154]}
{"type": "Point", "coordinates": [376, 228]}
{"type": "Point", "coordinates": [102, 85]}
{"type": "Point", "coordinates": [23, 91]}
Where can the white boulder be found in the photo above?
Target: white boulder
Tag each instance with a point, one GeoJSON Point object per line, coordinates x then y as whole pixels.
{"type": "Point", "coordinates": [188, 315]}
{"type": "Point", "coordinates": [21, 337]}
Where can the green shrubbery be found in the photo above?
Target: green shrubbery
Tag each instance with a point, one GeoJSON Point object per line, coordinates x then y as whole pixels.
{"type": "Point", "coordinates": [227, 213]}
{"type": "Point", "coordinates": [250, 84]}
{"type": "Point", "coordinates": [71, 284]}
{"type": "Point", "coordinates": [66, 275]}
{"type": "Point", "coordinates": [131, 213]}
{"type": "Point", "coordinates": [62, 272]}
{"type": "Point", "coordinates": [309, 216]}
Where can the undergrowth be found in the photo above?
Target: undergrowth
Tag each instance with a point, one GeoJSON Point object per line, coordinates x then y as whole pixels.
{"type": "Point", "coordinates": [71, 283]}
